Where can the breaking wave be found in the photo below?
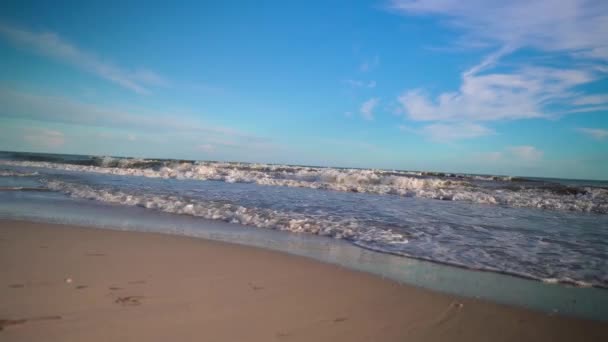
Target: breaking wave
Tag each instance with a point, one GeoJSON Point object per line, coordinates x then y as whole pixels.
{"type": "Point", "coordinates": [13, 173]}
{"type": "Point", "coordinates": [340, 228]}
{"type": "Point", "coordinates": [493, 190]}
{"type": "Point", "coordinates": [426, 241]}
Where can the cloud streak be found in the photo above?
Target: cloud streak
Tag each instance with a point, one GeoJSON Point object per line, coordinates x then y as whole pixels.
{"type": "Point", "coordinates": [27, 106]}
{"type": "Point", "coordinates": [360, 84]}
{"type": "Point", "coordinates": [370, 64]}
{"type": "Point", "coordinates": [524, 93]}
{"type": "Point", "coordinates": [575, 26]}
{"type": "Point", "coordinates": [43, 138]}
{"type": "Point", "coordinates": [595, 133]}
{"type": "Point", "coordinates": [367, 108]}
{"type": "Point", "coordinates": [526, 154]}
{"type": "Point", "coordinates": [52, 45]}
{"type": "Point", "coordinates": [445, 133]}
{"type": "Point", "coordinates": [440, 132]}
{"type": "Point", "coordinates": [571, 32]}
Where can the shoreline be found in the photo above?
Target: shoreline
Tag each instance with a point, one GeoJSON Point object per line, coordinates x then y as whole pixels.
{"type": "Point", "coordinates": [150, 286]}
{"type": "Point", "coordinates": [573, 283]}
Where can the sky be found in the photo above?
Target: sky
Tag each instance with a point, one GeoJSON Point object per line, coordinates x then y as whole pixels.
{"type": "Point", "coordinates": [478, 86]}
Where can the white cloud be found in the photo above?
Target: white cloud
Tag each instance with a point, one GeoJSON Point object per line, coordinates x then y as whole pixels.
{"type": "Point", "coordinates": [360, 84]}
{"type": "Point", "coordinates": [440, 132]}
{"type": "Point", "coordinates": [206, 148]}
{"type": "Point", "coordinates": [352, 144]}
{"type": "Point", "coordinates": [367, 108]}
{"type": "Point", "coordinates": [595, 133]}
{"type": "Point", "coordinates": [526, 153]}
{"type": "Point", "coordinates": [43, 138]}
{"type": "Point", "coordinates": [370, 64]}
{"type": "Point", "coordinates": [591, 100]}
{"type": "Point", "coordinates": [26, 106]}
{"type": "Point", "coordinates": [493, 156]}
{"type": "Point", "coordinates": [444, 132]}
{"type": "Point", "coordinates": [105, 135]}
{"type": "Point", "coordinates": [52, 45]}
{"type": "Point", "coordinates": [212, 144]}
{"type": "Point", "coordinates": [525, 93]}
{"type": "Point", "coordinates": [405, 128]}
{"type": "Point", "coordinates": [575, 28]}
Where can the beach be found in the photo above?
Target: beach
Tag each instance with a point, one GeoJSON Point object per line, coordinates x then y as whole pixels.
{"type": "Point", "coordinates": [66, 283]}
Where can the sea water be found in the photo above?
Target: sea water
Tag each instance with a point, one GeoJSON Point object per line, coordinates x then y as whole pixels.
{"type": "Point", "coordinates": [407, 225]}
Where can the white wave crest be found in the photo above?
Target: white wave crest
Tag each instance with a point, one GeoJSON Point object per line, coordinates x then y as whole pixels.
{"type": "Point", "coordinates": [13, 173]}
{"type": "Point", "coordinates": [401, 183]}
{"type": "Point", "coordinates": [262, 218]}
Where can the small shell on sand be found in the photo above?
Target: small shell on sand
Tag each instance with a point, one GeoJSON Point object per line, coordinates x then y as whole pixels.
{"type": "Point", "coordinates": [68, 280]}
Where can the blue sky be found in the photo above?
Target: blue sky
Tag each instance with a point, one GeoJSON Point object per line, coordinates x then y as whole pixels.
{"type": "Point", "coordinates": [516, 87]}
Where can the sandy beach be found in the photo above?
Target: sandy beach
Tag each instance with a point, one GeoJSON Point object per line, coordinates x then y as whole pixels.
{"type": "Point", "coordinates": [62, 283]}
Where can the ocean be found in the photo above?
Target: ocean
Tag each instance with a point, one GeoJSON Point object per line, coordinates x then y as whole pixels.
{"type": "Point", "coordinates": [549, 234]}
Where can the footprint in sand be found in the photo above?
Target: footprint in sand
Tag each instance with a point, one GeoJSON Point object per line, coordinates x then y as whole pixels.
{"type": "Point", "coordinates": [450, 313]}
{"type": "Point", "coordinates": [129, 300]}
{"type": "Point", "coordinates": [255, 287]}
{"type": "Point", "coordinates": [16, 286]}
{"type": "Point", "coordinates": [10, 322]}
{"type": "Point", "coordinates": [80, 287]}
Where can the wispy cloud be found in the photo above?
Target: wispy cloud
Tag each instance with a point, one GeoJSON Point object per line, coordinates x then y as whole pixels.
{"type": "Point", "coordinates": [524, 154]}
{"type": "Point", "coordinates": [370, 64]}
{"type": "Point", "coordinates": [28, 106]}
{"type": "Point", "coordinates": [52, 45]}
{"type": "Point", "coordinates": [445, 133]}
{"type": "Point", "coordinates": [440, 132]}
{"type": "Point", "coordinates": [351, 144]}
{"type": "Point", "coordinates": [367, 108]}
{"type": "Point", "coordinates": [524, 93]}
{"type": "Point", "coordinates": [208, 148]}
{"type": "Point", "coordinates": [595, 133]}
{"type": "Point", "coordinates": [43, 138]}
{"type": "Point", "coordinates": [360, 84]}
{"type": "Point", "coordinates": [591, 100]}
{"type": "Point", "coordinates": [573, 28]}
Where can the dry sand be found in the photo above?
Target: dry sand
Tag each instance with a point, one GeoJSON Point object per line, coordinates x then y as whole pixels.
{"type": "Point", "coordinates": [61, 283]}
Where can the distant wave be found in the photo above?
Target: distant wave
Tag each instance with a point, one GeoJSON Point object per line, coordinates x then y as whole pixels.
{"type": "Point", "coordinates": [13, 173]}
{"type": "Point", "coordinates": [472, 189]}
{"type": "Point", "coordinates": [22, 188]}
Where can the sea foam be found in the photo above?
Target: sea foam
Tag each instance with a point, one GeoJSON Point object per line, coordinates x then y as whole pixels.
{"type": "Point", "coordinates": [403, 183]}
{"type": "Point", "coordinates": [259, 217]}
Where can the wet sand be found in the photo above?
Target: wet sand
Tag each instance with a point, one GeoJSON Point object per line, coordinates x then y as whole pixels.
{"type": "Point", "coordinates": [62, 283]}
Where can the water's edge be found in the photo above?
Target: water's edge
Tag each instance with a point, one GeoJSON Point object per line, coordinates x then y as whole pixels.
{"type": "Point", "coordinates": [589, 303]}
